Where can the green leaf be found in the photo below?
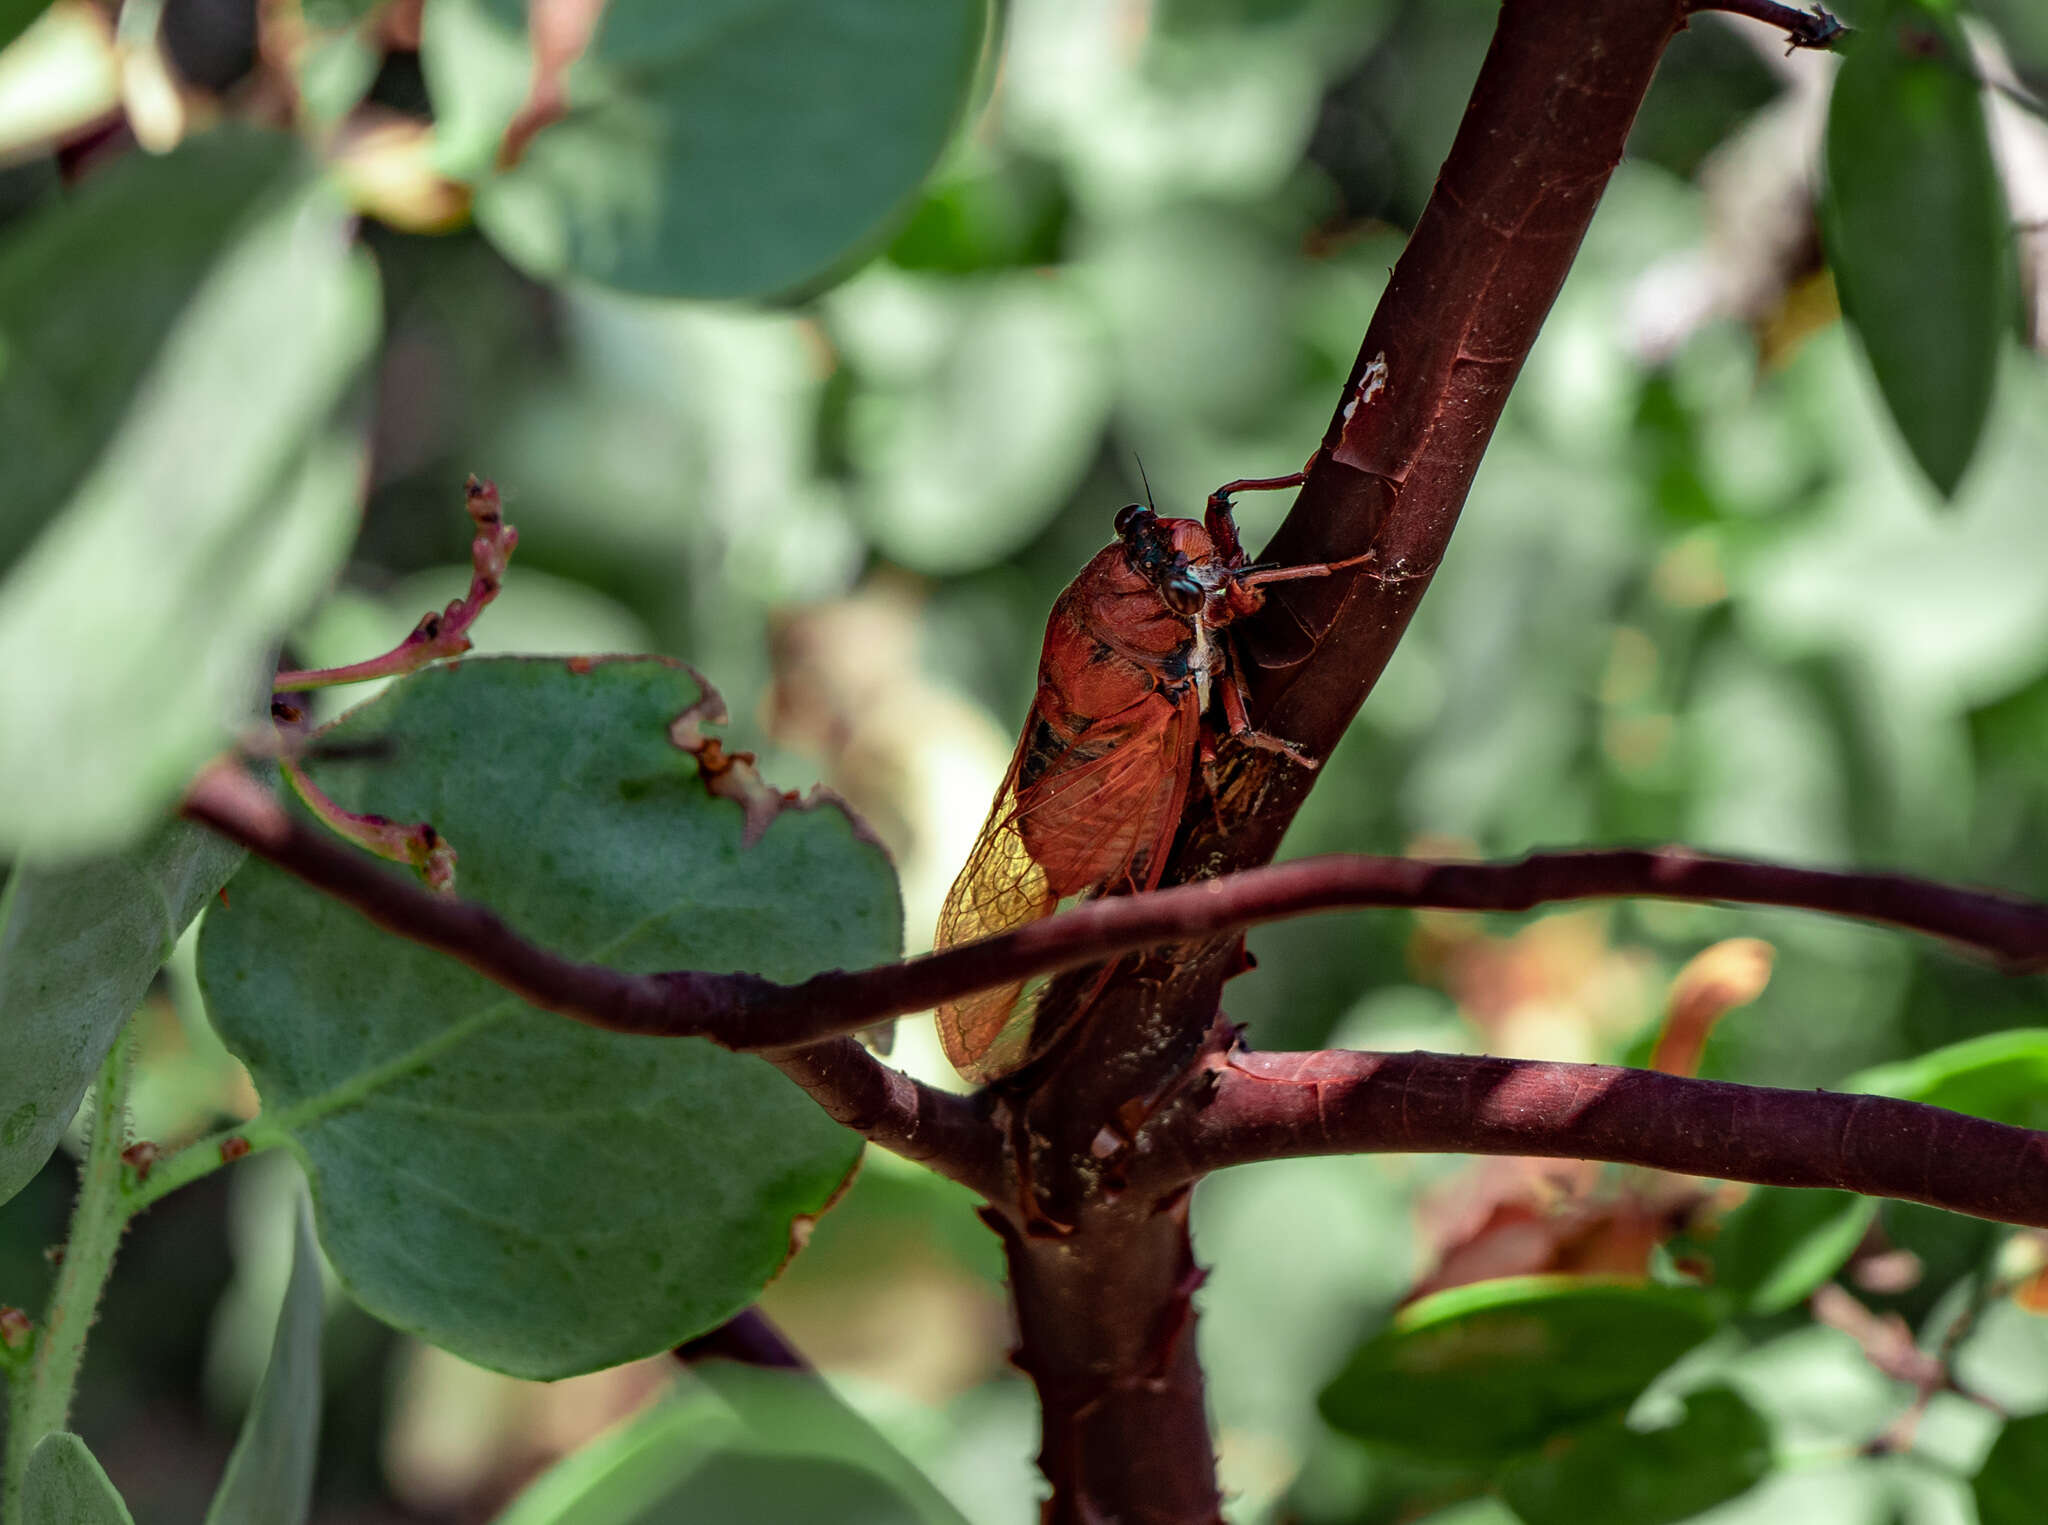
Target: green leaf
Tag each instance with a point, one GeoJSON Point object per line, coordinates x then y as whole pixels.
{"type": "Point", "coordinates": [738, 1444]}
{"type": "Point", "coordinates": [719, 149]}
{"type": "Point", "coordinates": [1917, 230]}
{"type": "Point", "coordinates": [1781, 1243]}
{"type": "Point", "coordinates": [2014, 1478]}
{"type": "Point", "coordinates": [15, 16]}
{"type": "Point", "coordinates": [78, 947]}
{"type": "Point", "coordinates": [535, 1195]}
{"type": "Point", "coordinates": [623, 1473]}
{"type": "Point", "coordinates": [1610, 1474]}
{"type": "Point", "coordinates": [175, 343]}
{"type": "Point", "coordinates": [2000, 1076]}
{"type": "Point", "coordinates": [64, 1485]}
{"type": "Point", "coordinates": [789, 1416]}
{"type": "Point", "coordinates": [1476, 1371]}
{"type": "Point", "coordinates": [269, 1478]}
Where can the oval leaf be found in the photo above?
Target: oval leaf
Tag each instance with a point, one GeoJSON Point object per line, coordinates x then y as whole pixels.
{"type": "Point", "coordinates": [737, 1443]}
{"type": "Point", "coordinates": [64, 1485]}
{"type": "Point", "coordinates": [2000, 1076]}
{"type": "Point", "coordinates": [1783, 1242]}
{"type": "Point", "coordinates": [1917, 230]}
{"type": "Point", "coordinates": [719, 149]}
{"type": "Point", "coordinates": [1609, 1474]}
{"type": "Point", "coordinates": [175, 341]}
{"type": "Point", "coordinates": [1480, 1370]}
{"type": "Point", "coordinates": [78, 947]}
{"type": "Point", "coordinates": [2014, 1478]}
{"type": "Point", "coordinates": [269, 1478]}
{"type": "Point", "coordinates": [15, 16]}
{"type": "Point", "coordinates": [535, 1195]}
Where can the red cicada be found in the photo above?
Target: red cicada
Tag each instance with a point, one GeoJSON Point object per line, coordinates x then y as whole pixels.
{"type": "Point", "coordinates": [1135, 649]}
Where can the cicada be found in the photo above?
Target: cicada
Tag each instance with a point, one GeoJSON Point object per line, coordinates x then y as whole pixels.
{"type": "Point", "coordinates": [1135, 651]}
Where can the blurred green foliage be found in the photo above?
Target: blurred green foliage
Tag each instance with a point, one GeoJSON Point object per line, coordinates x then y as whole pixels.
{"type": "Point", "coordinates": [1700, 593]}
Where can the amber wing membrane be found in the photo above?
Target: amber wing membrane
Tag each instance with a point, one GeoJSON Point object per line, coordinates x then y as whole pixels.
{"type": "Point", "coordinates": [1096, 816]}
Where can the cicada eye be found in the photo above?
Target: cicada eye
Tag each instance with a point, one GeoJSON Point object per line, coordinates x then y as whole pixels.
{"type": "Point", "coordinates": [1129, 515]}
{"type": "Point", "coordinates": [1183, 592]}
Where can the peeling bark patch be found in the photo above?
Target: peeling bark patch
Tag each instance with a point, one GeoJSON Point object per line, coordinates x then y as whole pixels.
{"type": "Point", "coordinates": [1351, 448]}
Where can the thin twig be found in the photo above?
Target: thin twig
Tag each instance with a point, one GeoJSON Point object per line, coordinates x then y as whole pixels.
{"type": "Point", "coordinates": [441, 633]}
{"type": "Point", "coordinates": [746, 1012]}
{"type": "Point", "coordinates": [748, 1337]}
{"type": "Point", "coordinates": [1803, 29]}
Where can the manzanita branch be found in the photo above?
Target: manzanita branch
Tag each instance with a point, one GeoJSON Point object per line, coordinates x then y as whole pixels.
{"type": "Point", "coordinates": [1546, 124]}
{"type": "Point", "coordinates": [1272, 1106]}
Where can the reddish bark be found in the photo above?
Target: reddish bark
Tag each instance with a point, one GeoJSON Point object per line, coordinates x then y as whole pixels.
{"type": "Point", "coordinates": [1270, 1106]}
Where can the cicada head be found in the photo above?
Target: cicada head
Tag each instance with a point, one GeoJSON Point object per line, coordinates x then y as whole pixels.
{"type": "Point", "coordinates": [1150, 547]}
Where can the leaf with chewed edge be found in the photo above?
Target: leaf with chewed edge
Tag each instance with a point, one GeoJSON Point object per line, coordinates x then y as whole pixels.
{"type": "Point", "coordinates": [535, 1195]}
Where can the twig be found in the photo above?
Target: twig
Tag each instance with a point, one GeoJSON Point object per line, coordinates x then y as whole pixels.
{"type": "Point", "coordinates": [748, 1337]}
{"type": "Point", "coordinates": [415, 843]}
{"type": "Point", "coordinates": [1802, 29]}
{"type": "Point", "coordinates": [444, 633]}
{"type": "Point", "coordinates": [1272, 1106]}
{"type": "Point", "coordinates": [745, 1012]}
{"type": "Point", "coordinates": [41, 1396]}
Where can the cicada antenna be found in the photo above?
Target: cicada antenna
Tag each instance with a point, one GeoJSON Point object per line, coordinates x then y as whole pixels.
{"type": "Point", "coordinates": [1146, 480]}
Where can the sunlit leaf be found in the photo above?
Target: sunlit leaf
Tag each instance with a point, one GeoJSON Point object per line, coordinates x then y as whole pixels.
{"type": "Point", "coordinates": [1612, 1474]}
{"type": "Point", "coordinates": [59, 73]}
{"type": "Point", "coordinates": [15, 15]}
{"type": "Point", "coordinates": [741, 1445]}
{"type": "Point", "coordinates": [269, 1479]}
{"type": "Point", "coordinates": [532, 1194]}
{"type": "Point", "coordinates": [65, 1485]}
{"type": "Point", "coordinates": [715, 150]}
{"type": "Point", "coordinates": [1476, 1371]}
{"type": "Point", "coordinates": [2002, 1076]}
{"type": "Point", "coordinates": [175, 342]}
{"type": "Point", "coordinates": [78, 947]}
{"type": "Point", "coordinates": [1916, 229]}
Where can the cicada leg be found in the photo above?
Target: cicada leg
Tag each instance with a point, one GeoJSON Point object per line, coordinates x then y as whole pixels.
{"type": "Point", "coordinates": [1216, 516]}
{"type": "Point", "coordinates": [1241, 727]}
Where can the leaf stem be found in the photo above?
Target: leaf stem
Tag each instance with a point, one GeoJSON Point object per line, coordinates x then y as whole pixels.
{"type": "Point", "coordinates": [201, 1157]}
{"type": "Point", "coordinates": [41, 1401]}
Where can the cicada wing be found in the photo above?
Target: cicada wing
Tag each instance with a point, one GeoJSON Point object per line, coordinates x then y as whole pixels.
{"type": "Point", "coordinates": [1098, 814]}
{"type": "Point", "coordinates": [1000, 887]}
